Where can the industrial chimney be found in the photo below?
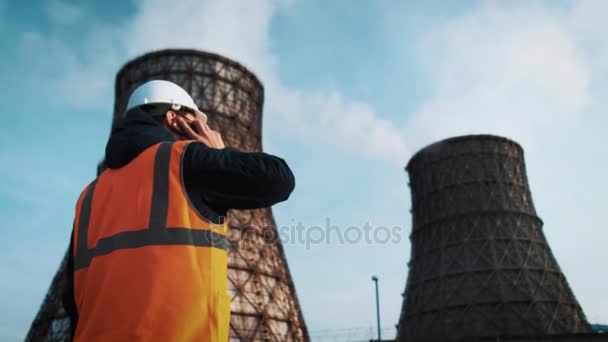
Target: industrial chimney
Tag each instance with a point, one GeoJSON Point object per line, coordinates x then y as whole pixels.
{"type": "Point", "coordinates": [480, 264]}
{"type": "Point", "coordinates": [264, 302]}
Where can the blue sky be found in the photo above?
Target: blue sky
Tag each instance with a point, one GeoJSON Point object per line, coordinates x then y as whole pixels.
{"type": "Point", "coordinates": [351, 93]}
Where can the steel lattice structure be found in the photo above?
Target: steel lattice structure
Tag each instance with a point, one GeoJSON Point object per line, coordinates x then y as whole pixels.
{"type": "Point", "coordinates": [480, 264]}
{"type": "Point", "coordinates": [52, 323]}
{"type": "Point", "coordinates": [264, 305]}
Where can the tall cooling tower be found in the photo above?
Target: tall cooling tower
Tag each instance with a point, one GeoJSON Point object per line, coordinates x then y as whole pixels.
{"type": "Point", "coordinates": [264, 302]}
{"type": "Point", "coordinates": [480, 264]}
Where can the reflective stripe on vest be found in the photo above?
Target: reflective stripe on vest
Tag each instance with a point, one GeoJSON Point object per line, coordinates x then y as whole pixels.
{"type": "Point", "coordinates": [156, 234]}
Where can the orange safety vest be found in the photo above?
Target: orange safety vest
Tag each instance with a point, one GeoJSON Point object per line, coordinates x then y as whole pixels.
{"type": "Point", "coordinates": [147, 265]}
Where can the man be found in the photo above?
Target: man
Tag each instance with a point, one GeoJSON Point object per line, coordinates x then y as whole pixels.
{"type": "Point", "coordinates": [148, 258]}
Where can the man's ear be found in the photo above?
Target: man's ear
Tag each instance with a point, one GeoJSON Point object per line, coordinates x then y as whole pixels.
{"type": "Point", "coordinates": [170, 117]}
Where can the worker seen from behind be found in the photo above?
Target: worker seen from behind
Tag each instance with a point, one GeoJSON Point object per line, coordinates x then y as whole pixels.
{"type": "Point", "coordinates": [148, 256]}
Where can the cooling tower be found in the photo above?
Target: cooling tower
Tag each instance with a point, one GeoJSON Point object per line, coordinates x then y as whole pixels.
{"type": "Point", "coordinates": [480, 264]}
{"type": "Point", "coordinates": [264, 304]}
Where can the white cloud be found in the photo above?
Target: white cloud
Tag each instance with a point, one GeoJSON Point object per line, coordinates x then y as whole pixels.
{"type": "Point", "coordinates": [80, 79]}
{"type": "Point", "coordinates": [504, 70]}
{"type": "Point", "coordinates": [330, 119]}
{"type": "Point", "coordinates": [63, 13]}
{"type": "Point", "coordinates": [236, 29]}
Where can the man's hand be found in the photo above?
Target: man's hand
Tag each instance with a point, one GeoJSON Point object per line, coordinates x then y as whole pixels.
{"type": "Point", "coordinates": [199, 131]}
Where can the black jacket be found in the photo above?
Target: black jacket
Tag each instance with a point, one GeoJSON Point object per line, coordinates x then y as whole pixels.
{"type": "Point", "coordinates": [219, 179]}
{"type": "Point", "coordinates": [215, 180]}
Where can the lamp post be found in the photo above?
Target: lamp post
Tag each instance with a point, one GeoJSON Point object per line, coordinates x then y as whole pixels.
{"type": "Point", "coordinates": [375, 279]}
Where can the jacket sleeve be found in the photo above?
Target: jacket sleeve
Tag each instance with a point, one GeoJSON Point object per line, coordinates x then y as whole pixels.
{"type": "Point", "coordinates": [231, 179]}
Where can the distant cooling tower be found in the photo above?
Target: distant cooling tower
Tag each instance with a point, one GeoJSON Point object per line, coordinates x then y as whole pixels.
{"type": "Point", "coordinates": [480, 264]}
{"type": "Point", "coordinates": [264, 305]}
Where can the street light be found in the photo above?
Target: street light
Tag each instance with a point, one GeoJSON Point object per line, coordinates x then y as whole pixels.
{"type": "Point", "coordinates": [375, 279]}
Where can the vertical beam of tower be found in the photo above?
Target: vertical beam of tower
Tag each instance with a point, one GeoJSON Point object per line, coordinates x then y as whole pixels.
{"type": "Point", "coordinates": [52, 322]}
{"type": "Point", "coordinates": [480, 264]}
{"type": "Point", "coordinates": [264, 305]}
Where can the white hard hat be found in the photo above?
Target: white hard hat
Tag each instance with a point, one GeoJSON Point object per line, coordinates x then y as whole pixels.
{"type": "Point", "coordinates": [160, 91]}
